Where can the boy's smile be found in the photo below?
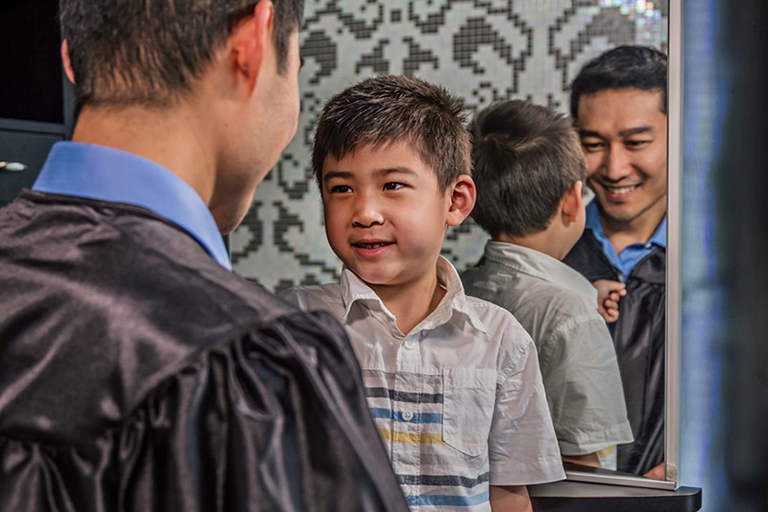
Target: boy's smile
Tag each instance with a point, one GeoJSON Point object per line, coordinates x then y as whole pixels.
{"type": "Point", "coordinates": [385, 215]}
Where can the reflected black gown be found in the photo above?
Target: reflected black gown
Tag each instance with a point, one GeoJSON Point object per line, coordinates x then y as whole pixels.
{"type": "Point", "coordinates": [638, 336]}
{"type": "Point", "coordinates": [136, 374]}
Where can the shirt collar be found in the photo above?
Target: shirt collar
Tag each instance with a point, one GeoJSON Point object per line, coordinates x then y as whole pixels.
{"type": "Point", "coordinates": [354, 289]}
{"type": "Point", "coordinates": [659, 237]}
{"type": "Point", "coordinates": [106, 174]}
{"type": "Point", "coordinates": [535, 263]}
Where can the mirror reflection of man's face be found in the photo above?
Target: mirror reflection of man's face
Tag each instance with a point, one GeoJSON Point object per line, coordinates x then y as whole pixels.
{"type": "Point", "coordinates": [624, 136]}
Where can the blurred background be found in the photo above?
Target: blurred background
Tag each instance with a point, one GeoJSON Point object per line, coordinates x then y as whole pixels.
{"type": "Point", "coordinates": [724, 346]}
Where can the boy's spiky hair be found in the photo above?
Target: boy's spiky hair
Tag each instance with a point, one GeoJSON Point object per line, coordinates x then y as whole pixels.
{"type": "Point", "coordinates": [389, 109]}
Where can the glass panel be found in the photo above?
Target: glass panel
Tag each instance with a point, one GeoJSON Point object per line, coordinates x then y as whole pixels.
{"type": "Point", "coordinates": [486, 52]}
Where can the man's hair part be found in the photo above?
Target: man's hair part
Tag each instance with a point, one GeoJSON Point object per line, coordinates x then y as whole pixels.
{"type": "Point", "coordinates": [526, 157]}
{"type": "Point", "coordinates": [388, 109]}
{"type": "Point", "coordinates": [136, 52]}
{"type": "Point", "coordinates": [624, 67]}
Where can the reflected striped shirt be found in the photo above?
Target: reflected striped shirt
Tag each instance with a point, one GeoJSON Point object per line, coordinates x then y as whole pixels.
{"type": "Point", "coordinates": [458, 401]}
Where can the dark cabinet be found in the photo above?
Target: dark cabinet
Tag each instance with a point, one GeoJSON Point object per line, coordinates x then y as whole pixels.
{"type": "Point", "coordinates": [36, 100]}
{"type": "Point", "coordinates": [23, 148]}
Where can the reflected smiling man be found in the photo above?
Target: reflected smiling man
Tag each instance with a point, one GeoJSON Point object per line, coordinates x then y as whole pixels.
{"type": "Point", "coordinates": [619, 104]}
{"type": "Point", "coordinates": [138, 372]}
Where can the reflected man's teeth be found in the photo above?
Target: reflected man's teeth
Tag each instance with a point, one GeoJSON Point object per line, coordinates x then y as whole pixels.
{"type": "Point", "coordinates": [622, 190]}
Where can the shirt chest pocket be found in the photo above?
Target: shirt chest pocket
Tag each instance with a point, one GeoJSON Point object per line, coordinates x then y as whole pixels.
{"type": "Point", "coordinates": [469, 398]}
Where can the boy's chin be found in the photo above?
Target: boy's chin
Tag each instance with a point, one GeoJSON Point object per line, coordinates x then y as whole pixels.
{"type": "Point", "coordinates": [373, 278]}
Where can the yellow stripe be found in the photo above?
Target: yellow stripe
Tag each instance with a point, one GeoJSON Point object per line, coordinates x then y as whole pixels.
{"type": "Point", "coordinates": [605, 452]}
{"type": "Point", "coordinates": [408, 438]}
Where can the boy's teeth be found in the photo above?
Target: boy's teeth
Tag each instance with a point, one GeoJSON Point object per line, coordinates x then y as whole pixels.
{"type": "Point", "coordinates": [372, 246]}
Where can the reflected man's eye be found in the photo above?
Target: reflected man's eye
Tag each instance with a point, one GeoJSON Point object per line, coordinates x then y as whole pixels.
{"type": "Point", "coordinates": [592, 146]}
{"type": "Point", "coordinates": [636, 144]}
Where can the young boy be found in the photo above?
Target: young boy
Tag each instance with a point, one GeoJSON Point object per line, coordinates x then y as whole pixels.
{"type": "Point", "coordinates": [452, 382]}
{"type": "Point", "coordinates": [529, 169]}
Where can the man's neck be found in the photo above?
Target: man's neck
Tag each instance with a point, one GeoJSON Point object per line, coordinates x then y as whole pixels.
{"type": "Point", "coordinates": [639, 230]}
{"type": "Point", "coordinates": [411, 302]}
{"type": "Point", "coordinates": [170, 137]}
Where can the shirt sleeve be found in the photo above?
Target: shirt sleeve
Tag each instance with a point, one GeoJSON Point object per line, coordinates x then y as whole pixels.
{"type": "Point", "coordinates": [584, 388]}
{"type": "Point", "coordinates": [522, 445]}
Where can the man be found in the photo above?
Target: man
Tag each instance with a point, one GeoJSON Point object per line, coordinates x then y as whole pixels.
{"type": "Point", "coordinates": [138, 373]}
{"type": "Point", "coordinates": [618, 102]}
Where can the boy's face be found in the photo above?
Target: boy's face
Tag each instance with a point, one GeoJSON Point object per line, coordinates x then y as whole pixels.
{"type": "Point", "coordinates": [385, 216]}
{"type": "Point", "coordinates": [624, 135]}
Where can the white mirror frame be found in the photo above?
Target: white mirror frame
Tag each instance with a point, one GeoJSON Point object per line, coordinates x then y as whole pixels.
{"type": "Point", "coordinates": [673, 295]}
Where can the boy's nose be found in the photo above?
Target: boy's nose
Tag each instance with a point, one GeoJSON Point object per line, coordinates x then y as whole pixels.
{"type": "Point", "coordinates": [366, 214]}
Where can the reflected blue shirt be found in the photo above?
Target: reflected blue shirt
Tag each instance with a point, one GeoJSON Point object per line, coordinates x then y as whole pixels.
{"type": "Point", "coordinates": [632, 254]}
{"type": "Point", "coordinates": [105, 174]}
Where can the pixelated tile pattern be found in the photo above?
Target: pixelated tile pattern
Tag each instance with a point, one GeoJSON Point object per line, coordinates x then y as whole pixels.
{"type": "Point", "coordinates": [481, 50]}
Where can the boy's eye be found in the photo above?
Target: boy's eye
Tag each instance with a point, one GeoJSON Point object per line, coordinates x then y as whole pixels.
{"type": "Point", "coordinates": [340, 189]}
{"type": "Point", "coordinates": [393, 185]}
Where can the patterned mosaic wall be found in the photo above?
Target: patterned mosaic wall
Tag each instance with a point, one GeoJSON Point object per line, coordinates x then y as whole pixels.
{"type": "Point", "coordinates": [482, 50]}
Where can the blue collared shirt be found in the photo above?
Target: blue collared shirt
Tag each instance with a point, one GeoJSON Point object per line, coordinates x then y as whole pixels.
{"type": "Point", "coordinates": [632, 254]}
{"type": "Point", "coordinates": [105, 174]}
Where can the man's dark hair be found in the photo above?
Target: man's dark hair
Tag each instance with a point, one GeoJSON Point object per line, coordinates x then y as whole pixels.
{"type": "Point", "coordinates": [127, 52]}
{"type": "Point", "coordinates": [624, 67]}
{"type": "Point", "coordinates": [389, 109]}
{"type": "Point", "coordinates": [526, 157]}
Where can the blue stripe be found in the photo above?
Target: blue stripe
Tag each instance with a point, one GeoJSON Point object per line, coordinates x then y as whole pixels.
{"type": "Point", "coordinates": [443, 480]}
{"type": "Point", "coordinates": [423, 417]}
{"type": "Point", "coordinates": [402, 396]}
{"type": "Point", "coordinates": [448, 501]}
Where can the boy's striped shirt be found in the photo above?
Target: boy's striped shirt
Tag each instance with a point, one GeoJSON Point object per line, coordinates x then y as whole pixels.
{"type": "Point", "coordinates": [458, 401]}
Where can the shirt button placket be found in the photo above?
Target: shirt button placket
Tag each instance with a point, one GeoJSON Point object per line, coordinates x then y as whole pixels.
{"type": "Point", "coordinates": [405, 456]}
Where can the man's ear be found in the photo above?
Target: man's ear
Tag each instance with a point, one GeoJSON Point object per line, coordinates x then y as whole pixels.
{"type": "Point", "coordinates": [250, 39]}
{"type": "Point", "coordinates": [463, 195]}
{"type": "Point", "coordinates": [573, 202]}
{"type": "Point", "coordinates": [66, 62]}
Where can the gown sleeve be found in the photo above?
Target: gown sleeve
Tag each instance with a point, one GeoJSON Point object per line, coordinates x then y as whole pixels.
{"type": "Point", "coordinates": [275, 420]}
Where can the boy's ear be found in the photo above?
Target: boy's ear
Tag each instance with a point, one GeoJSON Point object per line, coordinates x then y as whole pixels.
{"type": "Point", "coordinates": [463, 195]}
{"type": "Point", "coordinates": [249, 42]}
{"type": "Point", "coordinates": [573, 202]}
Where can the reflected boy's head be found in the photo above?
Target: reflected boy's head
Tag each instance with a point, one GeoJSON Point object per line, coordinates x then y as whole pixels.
{"type": "Point", "coordinates": [527, 165]}
{"type": "Point", "coordinates": [619, 102]}
{"type": "Point", "coordinates": [392, 159]}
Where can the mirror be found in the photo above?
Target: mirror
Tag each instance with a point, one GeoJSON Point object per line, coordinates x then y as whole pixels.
{"type": "Point", "coordinates": [483, 51]}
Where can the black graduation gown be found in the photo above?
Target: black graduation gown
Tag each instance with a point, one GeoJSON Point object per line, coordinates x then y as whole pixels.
{"type": "Point", "coordinates": [136, 374]}
{"type": "Point", "coordinates": [638, 336]}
